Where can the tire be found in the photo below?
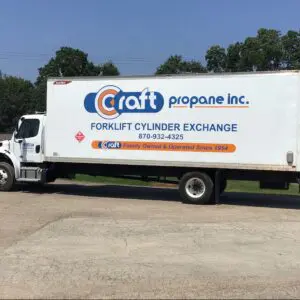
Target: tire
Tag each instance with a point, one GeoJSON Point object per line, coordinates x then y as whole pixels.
{"type": "Point", "coordinates": [196, 188]}
{"type": "Point", "coordinates": [7, 177]}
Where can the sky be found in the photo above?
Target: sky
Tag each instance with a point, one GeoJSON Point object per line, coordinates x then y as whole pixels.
{"type": "Point", "coordinates": [137, 35]}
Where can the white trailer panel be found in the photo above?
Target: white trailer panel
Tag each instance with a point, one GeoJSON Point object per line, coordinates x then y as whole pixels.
{"type": "Point", "coordinates": [248, 121]}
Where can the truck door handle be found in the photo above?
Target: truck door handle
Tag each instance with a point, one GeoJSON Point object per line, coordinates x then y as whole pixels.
{"type": "Point", "coordinates": [37, 149]}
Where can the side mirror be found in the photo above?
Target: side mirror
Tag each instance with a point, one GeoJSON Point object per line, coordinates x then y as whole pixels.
{"type": "Point", "coordinates": [15, 135]}
{"type": "Point", "coordinates": [16, 139]}
{"type": "Point", "coordinates": [17, 128]}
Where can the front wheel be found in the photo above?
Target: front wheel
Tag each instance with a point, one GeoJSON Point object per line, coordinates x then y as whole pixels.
{"type": "Point", "coordinates": [196, 188]}
{"type": "Point", "coordinates": [7, 176]}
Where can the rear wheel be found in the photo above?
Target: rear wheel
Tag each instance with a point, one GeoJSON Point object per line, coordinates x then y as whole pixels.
{"type": "Point", "coordinates": [196, 188]}
{"type": "Point", "coordinates": [7, 176]}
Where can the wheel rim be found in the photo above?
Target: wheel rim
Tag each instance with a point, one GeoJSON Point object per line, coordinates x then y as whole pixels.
{"type": "Point", "coordinates": [3, 177]}
{"type": "Point", "coordinates": [195, 187]}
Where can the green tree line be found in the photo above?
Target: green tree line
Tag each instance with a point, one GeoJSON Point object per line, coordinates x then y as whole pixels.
{"type": "Point", "coordinates": [269, 50]}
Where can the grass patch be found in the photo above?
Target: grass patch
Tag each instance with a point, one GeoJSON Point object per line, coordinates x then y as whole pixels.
{"type": "Point", "coordinates": [232, 186]}
{"type": "Point", "coordinates": [110, 180]}
{"type": "Point", "coordinates": [253, 187]}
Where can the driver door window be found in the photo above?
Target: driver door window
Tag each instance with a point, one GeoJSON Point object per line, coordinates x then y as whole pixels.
{"type": "Point", "coordinates": [29, 129]}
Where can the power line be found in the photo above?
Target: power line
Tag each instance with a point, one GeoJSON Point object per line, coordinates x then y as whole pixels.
{"type": "Point", "coordinates": [6, 56]}
{"type": "Point", "coordinates": [34, 56]}
{"type": "Point", "coordinates": [98, 62]}
{"type": "Point", "coordinates": [119, 60]}
{"type": "Point", "coordinates": [27, 55]}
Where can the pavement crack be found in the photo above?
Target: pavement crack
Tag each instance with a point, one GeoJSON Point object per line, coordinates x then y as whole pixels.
{"type": "Point", "coordinates": [27, 233]}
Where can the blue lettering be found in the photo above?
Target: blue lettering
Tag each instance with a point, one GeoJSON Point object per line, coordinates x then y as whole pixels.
{"type": "Point", "coordinates": [172, 101]}
{"type": "Point", "coordinates": [205, 127]}
{"type": "Point", "coordinates": [193, 101]}
{"type": "Point", "coordinates": [185, 100]}
{"type": "Point", "coordinates": [211, 100]}
{"type": "Point", "coordinates": [207, 100]}
{"type": "Point", "coordinates": [198, 127]}
{"type": "Point", "coordinates": [220, 127]}
{"type": "Point", "coordinates": [234, 100]}
{"type": "Point", "coordinates": [202, 100]}
{"type": "Point", "coordinates": [229, 99]}
{"type": "Point", "coordinates": [241, 100]}
{"type": "Point", "coordinates": [220, 100]}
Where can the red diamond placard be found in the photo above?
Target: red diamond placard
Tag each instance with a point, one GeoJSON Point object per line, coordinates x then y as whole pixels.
{"type": "Point", "coordinates": [79, 136]}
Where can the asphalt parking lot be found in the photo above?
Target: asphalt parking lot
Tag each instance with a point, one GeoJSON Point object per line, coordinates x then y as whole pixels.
{"type": "Point", "coordinates": [89, 241]}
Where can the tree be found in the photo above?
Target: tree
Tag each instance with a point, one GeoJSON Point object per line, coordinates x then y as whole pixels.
{"type": "Point", "coordinates": [39, 96]}
{"type": "Point", "coordinates": [233, 57]}
{"type": "Point", "coordinates": [271, 47]}
{"type": "Point", "coordinates": [267, 51]}
{"type": "Point", "coordinates": [291, 50]}
{"type": "Point", "coordinates": [216, 59]}
{"type": "Point", "coordinates": [176, 65]}
{"type": "Point", "coordinates": [15, 100]}
{"type": "Point", "coordinates": [263, 52]}
{"type": "Point", "coordinates": [68, 62]}
{"type": "Point", "coordinates": [252, 56]}
{"type": "Point", "coordinates": [109, 69]}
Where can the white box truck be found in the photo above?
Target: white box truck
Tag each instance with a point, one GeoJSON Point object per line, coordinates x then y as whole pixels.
{"type": "Point", "coordinates": [199, 129]}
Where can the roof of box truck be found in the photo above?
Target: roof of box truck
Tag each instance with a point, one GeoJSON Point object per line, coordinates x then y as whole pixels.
{"type": "Point", "coordinates": [63, 80]}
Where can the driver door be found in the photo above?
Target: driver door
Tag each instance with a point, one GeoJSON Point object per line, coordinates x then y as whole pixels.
{"type": "Point", "coordinates": [28, 141]}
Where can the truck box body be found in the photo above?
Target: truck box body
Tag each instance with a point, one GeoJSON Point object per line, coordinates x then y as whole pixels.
{"type": "Point", "coordinates": [235, 121]}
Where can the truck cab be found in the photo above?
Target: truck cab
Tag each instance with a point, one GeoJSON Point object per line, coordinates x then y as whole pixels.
{"type": "Point", "coordinates": [21, 157]}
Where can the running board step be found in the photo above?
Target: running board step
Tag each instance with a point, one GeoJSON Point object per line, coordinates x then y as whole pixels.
{"type": "Point", "coordinates": [28, 180]}
{"type": "Point", "coordinates": [32, 174]}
